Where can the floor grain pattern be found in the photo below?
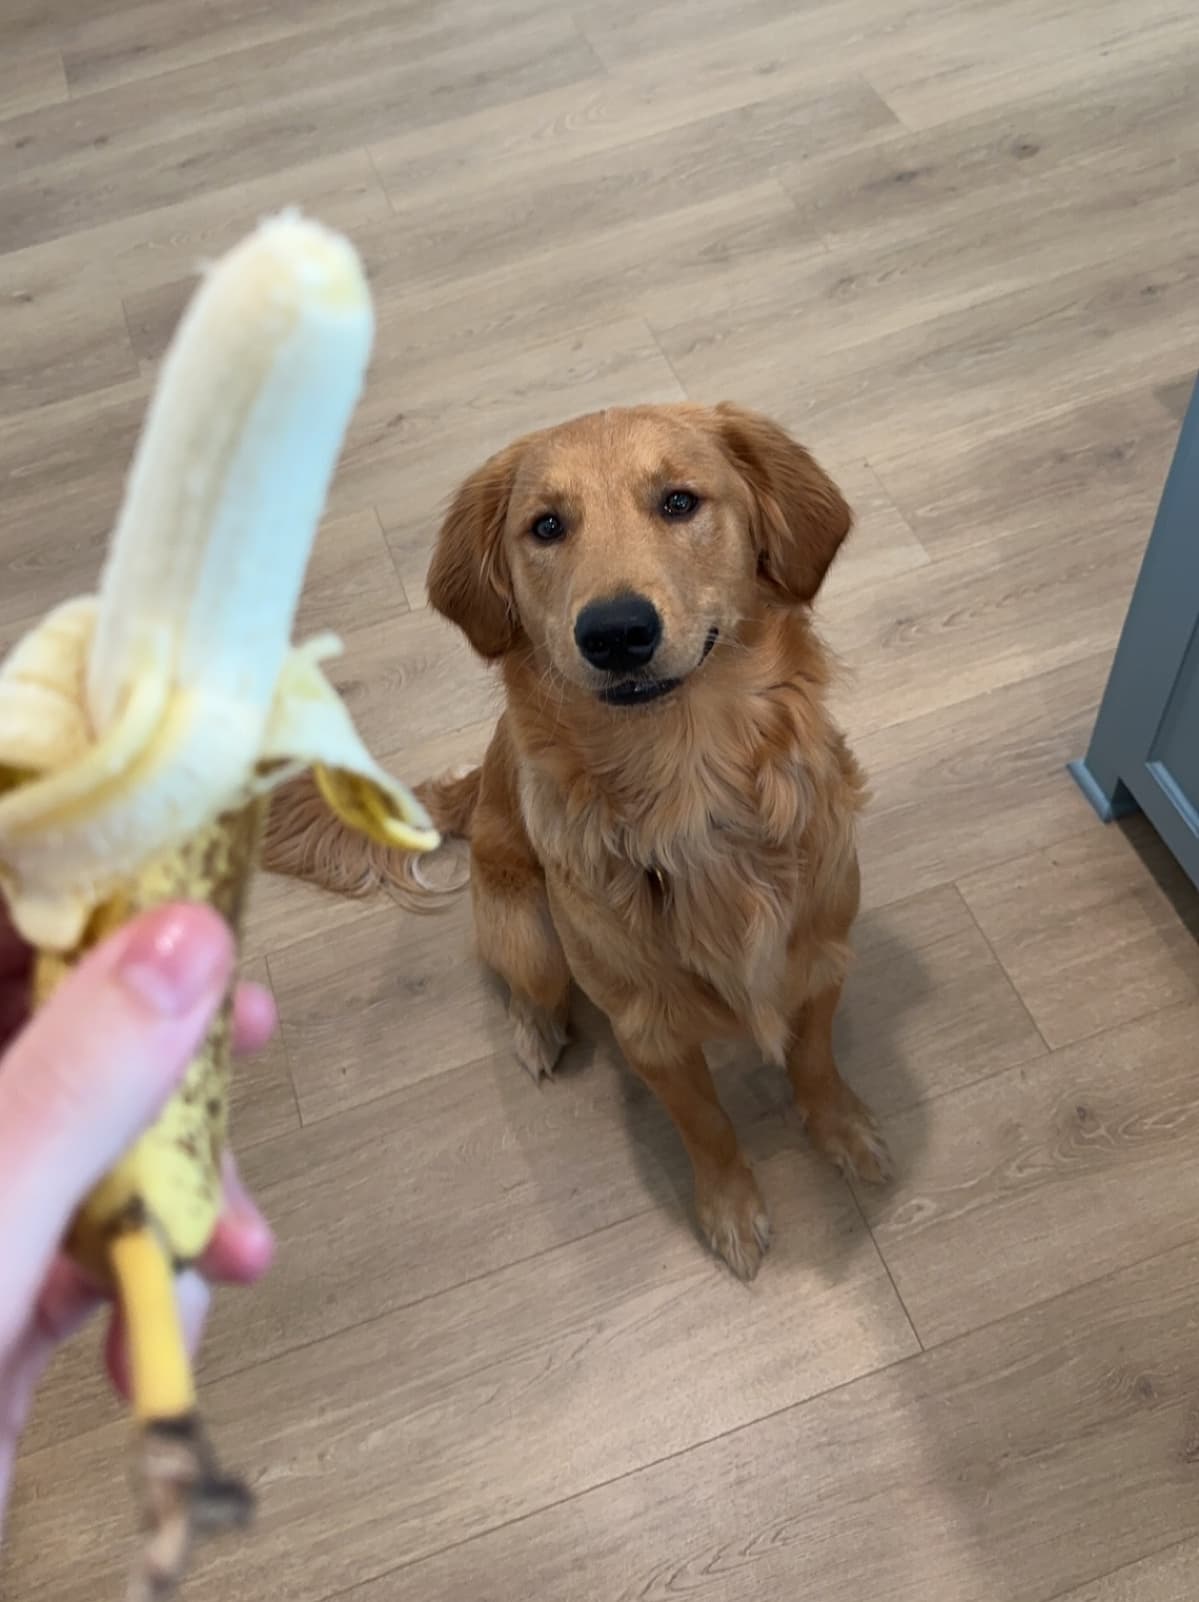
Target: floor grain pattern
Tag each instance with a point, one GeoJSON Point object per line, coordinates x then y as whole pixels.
{"type": "Point", "coordinates": [954, 244]}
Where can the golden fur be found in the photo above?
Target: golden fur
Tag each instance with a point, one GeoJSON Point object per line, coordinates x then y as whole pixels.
{"type": "Point", "coordinates": [690, 862]}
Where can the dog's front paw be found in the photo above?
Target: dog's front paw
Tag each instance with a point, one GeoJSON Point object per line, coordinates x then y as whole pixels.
{"type": "Point", "coordinates": [539, 1037]}
{"type": "Point", "coordinates": [733, 1216]}
{"type": "Point", "coordinates": [846, 1132]}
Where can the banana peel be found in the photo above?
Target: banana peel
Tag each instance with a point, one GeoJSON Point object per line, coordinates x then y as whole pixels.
{"type": "Point", "coordinates": [142, 731]}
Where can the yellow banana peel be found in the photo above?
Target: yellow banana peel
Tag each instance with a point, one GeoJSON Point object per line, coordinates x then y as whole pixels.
{"type": "Point", "coordinates": [141, 733]}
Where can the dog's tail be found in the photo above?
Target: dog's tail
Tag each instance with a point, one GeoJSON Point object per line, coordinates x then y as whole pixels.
{"type": "Point", "coordinates": [305, 840]}
{"type": "Point", "coordinates": [451, 800]}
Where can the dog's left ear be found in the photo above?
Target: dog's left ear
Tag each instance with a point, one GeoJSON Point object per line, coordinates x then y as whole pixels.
{"type": "Point", "coordinates": [799, 516]}
{"type": "Point", "coordinates": [468, 579]}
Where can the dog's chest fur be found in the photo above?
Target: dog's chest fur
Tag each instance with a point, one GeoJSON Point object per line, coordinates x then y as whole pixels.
{"type": "Point", "coordinates": [696, 878]}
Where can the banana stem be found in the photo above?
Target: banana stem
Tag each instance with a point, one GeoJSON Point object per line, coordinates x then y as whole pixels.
{"type": "Point", "coordinates": [183, 1489]}
{"type": "Point", "coordinates": [160, 1368]}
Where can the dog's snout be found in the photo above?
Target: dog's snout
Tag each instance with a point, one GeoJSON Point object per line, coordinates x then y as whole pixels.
{"type": "Point", "coordinates": [619, 634]}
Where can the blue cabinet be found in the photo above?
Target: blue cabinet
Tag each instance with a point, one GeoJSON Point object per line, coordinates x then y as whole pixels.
{"type": "Point", "coordinates": [1144, 750]}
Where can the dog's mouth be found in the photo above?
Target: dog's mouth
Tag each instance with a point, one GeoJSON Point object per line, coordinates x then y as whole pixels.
{"type": "Point", "coordinates": [640, 692]}
{"type": "Point", "coordinates": [636, 692]}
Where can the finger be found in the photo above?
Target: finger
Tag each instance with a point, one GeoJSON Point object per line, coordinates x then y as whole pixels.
{"type": "Point", "coordinates": [193, 1298]}
{"type": "Point", "coordinates": [68, 1299]}
{"type": "Point", "coordinates": [240, 1252]}
{"type": "Point", "coordinates": [254, 1018]}
{"type": "Point", "coordinates": [243, 1244]}
{"type": "Point", "coordinates": [92, 1070]}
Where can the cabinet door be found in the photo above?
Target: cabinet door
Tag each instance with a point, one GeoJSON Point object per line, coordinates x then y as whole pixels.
{"type": "Point", "coordinates": [1145, 749]}
{"type": "Point", "coordinates": [1173, 758]}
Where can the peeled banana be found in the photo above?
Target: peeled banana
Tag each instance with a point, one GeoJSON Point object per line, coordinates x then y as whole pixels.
{"type": "Point", "coordinates": [141, 733]}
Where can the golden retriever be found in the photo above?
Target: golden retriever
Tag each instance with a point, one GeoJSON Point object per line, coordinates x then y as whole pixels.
{"type": "Point", "coordinates": [666, 812]}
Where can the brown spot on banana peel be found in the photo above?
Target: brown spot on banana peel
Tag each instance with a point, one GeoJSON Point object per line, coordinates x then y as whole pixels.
{"type": "Point", "coordinates": [216, 867]}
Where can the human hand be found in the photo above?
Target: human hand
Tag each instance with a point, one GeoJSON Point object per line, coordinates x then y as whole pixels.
{"type": "Point", "coordinates": [79, 1082]}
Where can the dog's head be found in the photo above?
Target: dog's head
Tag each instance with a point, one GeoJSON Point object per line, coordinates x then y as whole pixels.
{"type": "Point", "coordinates": [621, 547]}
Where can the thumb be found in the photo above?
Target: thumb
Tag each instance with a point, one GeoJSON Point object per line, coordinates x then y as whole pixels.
{"type": "Point", "coordinates": [92, 1070]}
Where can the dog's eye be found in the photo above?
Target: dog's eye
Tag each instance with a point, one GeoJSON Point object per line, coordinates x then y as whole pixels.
{"type": "Point", "coordinates": [679, 503]}
{"type": "Point", "coordinates": [548, 528]}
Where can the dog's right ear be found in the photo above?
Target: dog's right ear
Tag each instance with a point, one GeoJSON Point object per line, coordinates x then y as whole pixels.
{"type": "Point", "coordinates": [468, 579]}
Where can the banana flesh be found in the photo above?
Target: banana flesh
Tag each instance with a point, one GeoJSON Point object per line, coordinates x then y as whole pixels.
{"type": "Point", "coordinates": [141, 732]}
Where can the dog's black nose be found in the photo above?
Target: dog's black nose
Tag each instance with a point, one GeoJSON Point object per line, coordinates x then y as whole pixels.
{"type": "Point", "coordinates": [620, 634]}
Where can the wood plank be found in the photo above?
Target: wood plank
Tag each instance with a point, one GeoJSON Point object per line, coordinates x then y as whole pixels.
{"type": "Point", "coordinates": [1007, 1467]}
{"type": "Point", "coordinates": [62, 330]}
{"type": "Point", "coordinates": [881, 546]}
{"type": "Point", "coordinates": [501, 219]}
{"type": "Point", "coordinates": [30, 79]}
{"type": "Point", "coordinates": [1175, 396]}
{"type": "Point", "coordinates": [334, 87]}
{"type": "Point", "coordinates": [1079, 141]}
{"type": "Point", "coordinates": [688, 77]}
{"type": "Point", "coordinates": [125, 43]}
{"type": "Point", "coordinates": [282, 911]}
{"type": "Point", "coordinates": [1065, 919]}
{"type": "Point", "coordinates": [423, 326]}
{"type": "Point", "coordinates": [1008, 52]}
{"type": "Point", "coordinates": [77, 166]}
{"type": "Point", "coordinates": [623, 33]}
{"type": "Point", "coordinates": [388, 1006]}
{"type": "Point", "coordinates": [1167, 1576]}
{"type": "Point", "coordinates": [490, 1430]}
{"type": "Point", "coordinates": [169, 245]}
{"type": "Point", "coordinates": [62, 470]}
{"type": "Point", "coordinates": [976, 784]}
{"type": "Point", "coordinates": [1043, 1178]}
{"type": "Point", "coordinates": [250, 113]}
{"type": "Point", "coordinates": [765, 35]}
{"type": "Point", "coordinates": [957, 367]}
{"type": "Point", "coordinates": [927, 1007]}
{"type": "Point", "coordinates": [352, 581]}
{"type": "Point", "coordinates": [986, 617]}
{"type": "Point", "coordinates": [1092, 467]}
{"type": "Point", "coordinates": [44, 24]}
{"type": "Point", "coordinates": [410, 680]}
{"type": "Point", "coordinates": [262, 1104]}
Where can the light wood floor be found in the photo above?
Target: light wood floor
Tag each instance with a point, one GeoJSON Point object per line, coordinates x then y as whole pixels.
{"type": "Point", "coordinates": [953, 244]}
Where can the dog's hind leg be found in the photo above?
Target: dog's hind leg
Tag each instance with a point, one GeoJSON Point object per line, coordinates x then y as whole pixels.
{"type": "Point", "coordinates": [516, 937]}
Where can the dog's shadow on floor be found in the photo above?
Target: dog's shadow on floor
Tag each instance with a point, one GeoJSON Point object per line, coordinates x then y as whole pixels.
{"type": "Point", "coordinates": [888, 983]}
